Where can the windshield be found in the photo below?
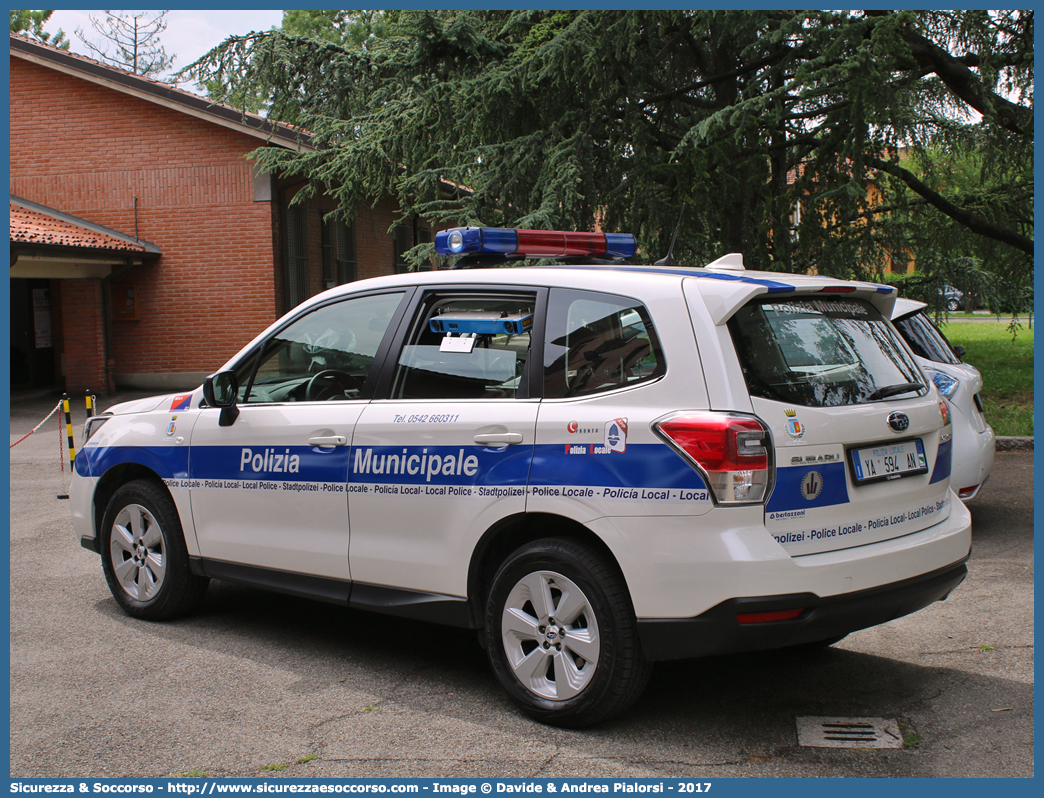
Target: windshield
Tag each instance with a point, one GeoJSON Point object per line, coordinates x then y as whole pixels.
{"type": "Point", "coordinates": [822, 353]}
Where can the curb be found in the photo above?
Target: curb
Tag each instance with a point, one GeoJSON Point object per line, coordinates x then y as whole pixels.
{"type": "Point", "coordinates": [1012, 443]}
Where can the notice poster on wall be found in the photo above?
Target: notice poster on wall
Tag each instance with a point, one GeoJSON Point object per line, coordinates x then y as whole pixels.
{"type": "Point", "coordinates": [42, 317]}
{"type": "Point", "coordinates": [123, 298]}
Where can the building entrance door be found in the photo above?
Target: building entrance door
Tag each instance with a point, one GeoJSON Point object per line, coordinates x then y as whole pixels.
{"type": "Point", "coordinates": [32, 344]}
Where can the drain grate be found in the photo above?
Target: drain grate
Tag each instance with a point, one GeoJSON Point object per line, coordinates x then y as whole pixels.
{"type": "Point", "coordinates": [849, 733]}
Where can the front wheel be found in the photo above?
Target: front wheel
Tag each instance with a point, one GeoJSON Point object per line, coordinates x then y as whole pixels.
{"type": "Point", "coordinates": [562, 636]}
{"type": "Point", "coordinates": [144, 556]}
{"type": "Point", "coordinates": [953, 306]}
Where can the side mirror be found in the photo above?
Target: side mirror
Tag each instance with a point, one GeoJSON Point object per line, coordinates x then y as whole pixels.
{"type": "Point", "coordinates": [959, 351]}
{"type": "Point", "coordinates": [220, 391]}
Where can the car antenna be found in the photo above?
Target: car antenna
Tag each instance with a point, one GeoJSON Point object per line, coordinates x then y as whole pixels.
{"type": "Point", "coordinates": [666, 260]}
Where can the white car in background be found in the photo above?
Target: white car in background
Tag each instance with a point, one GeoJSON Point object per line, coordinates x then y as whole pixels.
{"type": "Point", "coordinates": [973, 439]}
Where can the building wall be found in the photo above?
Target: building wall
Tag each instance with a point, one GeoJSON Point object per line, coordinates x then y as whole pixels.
{"type": "Point", "coordinates": [374, 244]}
{"type": "Point", "coordinates": [81, 313]}
{"type": "Point", "coordinates": [182, 184]}
{"type": "Point", "coordinates": [175, 181]}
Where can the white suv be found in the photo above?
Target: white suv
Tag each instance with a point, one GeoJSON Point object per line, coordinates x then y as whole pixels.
{"type": "Point", "coordinates": [596, 465]}
{"type": "Point", "coordinates": [974, 441]}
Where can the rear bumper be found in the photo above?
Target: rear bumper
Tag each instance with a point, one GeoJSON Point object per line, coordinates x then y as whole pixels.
{"type": "Point", "coordinates": [973, 453]}
{"type": "Point", "coordinates": [717, 631]}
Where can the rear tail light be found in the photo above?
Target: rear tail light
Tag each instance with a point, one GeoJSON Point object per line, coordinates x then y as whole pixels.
{"type": "Point", "coordinates": [732, 452]}
{"type": "Point", "coordinates": [967, 493]}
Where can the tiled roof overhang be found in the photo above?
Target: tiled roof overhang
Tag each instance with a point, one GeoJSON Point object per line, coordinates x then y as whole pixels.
{"type": "Point", "coordinates": [37, 225]}
{"type": "Point", "coordinates": [48, 243]}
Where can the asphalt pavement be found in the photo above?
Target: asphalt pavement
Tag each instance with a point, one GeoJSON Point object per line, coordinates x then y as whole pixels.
{"type": "Point", "coordinates": [260, 684]}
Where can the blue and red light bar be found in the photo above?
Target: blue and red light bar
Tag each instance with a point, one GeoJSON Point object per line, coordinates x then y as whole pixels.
{"type": "Point", "coordinates": [533, 243]}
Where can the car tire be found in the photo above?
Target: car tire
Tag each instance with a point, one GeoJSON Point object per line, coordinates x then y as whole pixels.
{"type": "Point", "coordinates": [143, 554]}
{"type": "Point", "coordinates": [580, 668]}
{"type": "Point", "coordinates": [953, 305]}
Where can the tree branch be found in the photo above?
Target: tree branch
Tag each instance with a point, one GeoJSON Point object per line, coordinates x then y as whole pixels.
{"type": "Point", "coordinates": [963, 82]}
{"type": "Point", "coordinates": [983, 227]}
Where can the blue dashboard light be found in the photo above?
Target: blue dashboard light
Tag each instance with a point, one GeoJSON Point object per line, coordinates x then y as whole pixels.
{"type": "Point", "coordinates": [482, 323]}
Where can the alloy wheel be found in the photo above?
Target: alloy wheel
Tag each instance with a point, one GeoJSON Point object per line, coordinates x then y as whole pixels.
{"type": "Point", "coordinates": [550, 635]}
{"type": "Point", "coordinates": [136, 545]}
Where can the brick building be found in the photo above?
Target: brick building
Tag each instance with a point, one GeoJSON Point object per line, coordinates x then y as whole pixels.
{"type": "Point", "coordinates": [145, 248]}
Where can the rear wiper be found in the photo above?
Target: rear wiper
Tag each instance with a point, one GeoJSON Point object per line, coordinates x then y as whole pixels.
{"type": "Point", "coordinates": [892, 390]}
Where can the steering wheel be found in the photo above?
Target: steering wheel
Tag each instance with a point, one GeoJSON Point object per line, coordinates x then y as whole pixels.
{"type": "Point", "coordinates": [331, 384]}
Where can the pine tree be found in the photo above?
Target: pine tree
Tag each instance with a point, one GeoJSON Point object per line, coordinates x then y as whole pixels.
{"type": "Point", "coordinates": [736, 120]}
{"type": "Point", "coordinates": [31, 24]}
{"type": "Point", "coordinates": [134, 37]}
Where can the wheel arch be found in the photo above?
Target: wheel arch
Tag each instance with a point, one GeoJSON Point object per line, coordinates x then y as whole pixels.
{"type": "Point", "coordinates": [115, 478]}
{"type": "Point", "coordinates": [515, 531]}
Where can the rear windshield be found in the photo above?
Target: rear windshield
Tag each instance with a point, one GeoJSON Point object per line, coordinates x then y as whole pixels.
{"type": "Point", "coordinates": [925, 339]}
{"type": "Point", "coordinates": [822, 353]}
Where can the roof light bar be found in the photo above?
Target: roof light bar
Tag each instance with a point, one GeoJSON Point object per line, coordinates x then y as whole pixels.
{"type": "Point", "coordinates": [533, 243]}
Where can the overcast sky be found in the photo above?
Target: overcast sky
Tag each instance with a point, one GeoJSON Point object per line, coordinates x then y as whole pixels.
{"type": "Point", "coordinates": [189, 34]}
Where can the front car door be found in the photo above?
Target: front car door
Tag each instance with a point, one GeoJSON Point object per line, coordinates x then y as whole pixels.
{"type": "Point", "coordinates": [269, 490]}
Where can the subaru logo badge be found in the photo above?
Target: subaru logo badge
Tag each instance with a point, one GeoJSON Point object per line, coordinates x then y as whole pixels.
{"type": "Point", "coordinates": [900, 422]}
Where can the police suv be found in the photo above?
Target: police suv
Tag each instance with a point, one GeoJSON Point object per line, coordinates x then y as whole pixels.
{"type": "Point", "coordinates": [596, 465]}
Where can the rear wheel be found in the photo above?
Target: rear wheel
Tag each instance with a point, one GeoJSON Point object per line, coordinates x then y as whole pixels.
{"type": "Point", "coordinates": [562, 636]}
{"type": "Point", "coordinates": [144, 556]}
{"type": "Point", "coordinates": [953, 305]}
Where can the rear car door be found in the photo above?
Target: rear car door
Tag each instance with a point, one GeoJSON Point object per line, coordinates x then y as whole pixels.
{"type": "Point", "coordinates": [597, 453]}
{"type": "Point", "coordinates": [446, 452]}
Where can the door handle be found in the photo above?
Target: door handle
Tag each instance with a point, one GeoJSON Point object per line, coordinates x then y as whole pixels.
{"type": "Point", "coordinates": [498, 438]}
{"type": "Point", "coordinates": [328, 440]}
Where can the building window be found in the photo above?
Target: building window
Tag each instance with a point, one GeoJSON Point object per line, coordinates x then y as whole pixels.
{"type": "Point", "coordinates": [339, 263]}
{"type": "Point", "coordinates": [402, 243]}
{"type": "Point", "coordinates": [296, 256]}
{"type": "Point", "coordinates": [424, 237]}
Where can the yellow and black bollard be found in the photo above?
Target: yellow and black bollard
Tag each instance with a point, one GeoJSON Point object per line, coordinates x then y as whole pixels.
{"type": "Point", "coordinates": [69, 433]}
{"type": "Point", "coordinates": [72, 443]}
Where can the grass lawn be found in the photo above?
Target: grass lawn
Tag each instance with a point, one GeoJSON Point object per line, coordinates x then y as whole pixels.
{"type": "Point", "coordinates": [1007, 371]}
